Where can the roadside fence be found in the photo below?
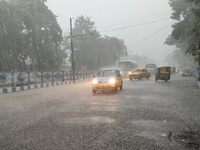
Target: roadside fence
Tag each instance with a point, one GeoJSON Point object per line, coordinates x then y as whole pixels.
{"type": "Point", "coordinates": [43, 78]}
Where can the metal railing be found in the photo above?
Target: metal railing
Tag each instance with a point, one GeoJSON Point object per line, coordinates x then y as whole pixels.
{"type": "Point", "coordinates": [15, 79]}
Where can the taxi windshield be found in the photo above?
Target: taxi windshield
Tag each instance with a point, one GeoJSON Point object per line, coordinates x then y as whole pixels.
{"type": "Point", "coordinates": [138, 70]}
{"type": "Point", "coordinates": [106, 73]}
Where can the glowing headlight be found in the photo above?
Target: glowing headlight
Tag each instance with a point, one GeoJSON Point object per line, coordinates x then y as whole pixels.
{"type": "Point", "coordinates": [95, 81]}
{"type": "Point", "coordinates": [112, 81]}
{"type": "Point", "coordinates": [129, 72]}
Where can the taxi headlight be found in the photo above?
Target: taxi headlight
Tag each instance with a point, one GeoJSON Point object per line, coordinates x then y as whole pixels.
{"type": "Point", "coordinates": [129, 72]}
{"type": "Point", "coordinates": [94, 81]}
{"type": "Point", "coordinates": [112, 81]}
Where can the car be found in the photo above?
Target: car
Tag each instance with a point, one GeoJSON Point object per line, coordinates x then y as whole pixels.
{"type": "Point", "coordinates": [139, 73]}
{"type": "Point", "coordinates": [107, 80]}
{"type": "Point", "coordinates": [186, 72]}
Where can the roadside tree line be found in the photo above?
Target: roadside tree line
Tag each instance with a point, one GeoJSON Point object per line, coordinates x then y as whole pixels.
{"type": "Point", "coordinates": [31, 38]}
{"type": "Point", "coordinates": [90, 48]}
{"type": "Point", "coordinates": [186, 31]}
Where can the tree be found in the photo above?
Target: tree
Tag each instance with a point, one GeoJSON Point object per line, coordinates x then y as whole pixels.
{"type": "Point", "coordinates": [90, 48]}
{"type": "Point", "coordinates": [85, 42]}
{"type": "Point", "coordinates": [186, 31]}
{"type": "Point", "coordinates": [30, 36]}
{"type": "Point", "coordinates": [10, 36]}
{"type": "Point", "coordinates": [194, 48]}
{"type": "Point", "coordinates": [113, 48]}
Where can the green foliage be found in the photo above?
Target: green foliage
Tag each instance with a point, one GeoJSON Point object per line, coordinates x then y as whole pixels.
{"type": "Point", "coordinates": [90, 46]}
{"type": "Point", "coordinates": [30, 37]}
{"type": "Point", "coordinates": [186, 31]}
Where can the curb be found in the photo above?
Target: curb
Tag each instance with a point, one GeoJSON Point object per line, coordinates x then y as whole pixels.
{"type": "Point", "coordinates": [36, 86]}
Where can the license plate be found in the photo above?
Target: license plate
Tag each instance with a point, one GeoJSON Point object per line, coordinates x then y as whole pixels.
{"type": "Point", "coordinates": [102, 86]}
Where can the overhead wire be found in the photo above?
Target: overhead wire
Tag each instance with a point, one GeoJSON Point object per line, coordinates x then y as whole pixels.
{"type": "Point", "coordinates": [145, 23]}
{"type": "Point", "coordinates": [151, 34]}
{"type": "Point", "coordinates": [150, 16]}
{"type": "Point", "coordinates": [134, 25]}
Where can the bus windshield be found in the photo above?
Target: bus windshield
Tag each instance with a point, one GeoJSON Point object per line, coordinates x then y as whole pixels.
{"type": "Point", "coordinates": [125, 66]}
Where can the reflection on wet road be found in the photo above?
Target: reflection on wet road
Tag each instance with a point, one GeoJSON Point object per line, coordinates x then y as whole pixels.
{"type": "Point", "coordinates": [144, 115]}
{"type": "Point", "coordinates": [87, 120]}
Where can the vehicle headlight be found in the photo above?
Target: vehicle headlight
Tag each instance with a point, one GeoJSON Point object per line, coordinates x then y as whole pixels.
{"type": "Point", "coordinates": [94, 81]}
{"type": "Point", "coordinates": [129, 72]}
{"type": "Point", "coordinates": [112, 81]}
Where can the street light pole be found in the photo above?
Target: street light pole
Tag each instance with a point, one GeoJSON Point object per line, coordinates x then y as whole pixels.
{"type": "Point", "coordinates": [98, 61]}
{"type": "Point", "coordinates": [73, 63]}
{"type": "Point", "coordinates": [72, 52]}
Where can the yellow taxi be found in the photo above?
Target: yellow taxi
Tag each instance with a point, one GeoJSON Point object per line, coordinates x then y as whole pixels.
{"type": "Point", "coordinates": [139, 73]}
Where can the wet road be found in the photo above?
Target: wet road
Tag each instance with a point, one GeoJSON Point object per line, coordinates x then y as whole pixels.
{"type": "Point", "coordinates": [145, 115]}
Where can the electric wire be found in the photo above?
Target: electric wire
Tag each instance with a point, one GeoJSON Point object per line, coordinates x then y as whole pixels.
{"type": "Point", "coordinates": [150, 16]}
{"type": "Point", "coordinates": [151, 35]}
{"type": "Point", "coordinates": [134, 25]}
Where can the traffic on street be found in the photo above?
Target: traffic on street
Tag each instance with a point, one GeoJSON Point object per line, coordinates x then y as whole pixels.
{"type": "Point", "coordinates": [99, 75]}
{"type": "Point", "coordinates": [144, 115]}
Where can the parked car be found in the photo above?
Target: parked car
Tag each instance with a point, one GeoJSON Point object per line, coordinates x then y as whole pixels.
{"type": "Point", "coordinates": [139, 73]}
{"type": "Point", "coordinates": [173, 70]}
{"type": "Point", "coordinates": [107, 80]}
{"type": "Point", "coordinates": [186, 72]}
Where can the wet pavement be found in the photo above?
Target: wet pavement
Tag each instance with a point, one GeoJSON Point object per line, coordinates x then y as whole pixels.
{"type": "Point", "coordinates": [145, 115]}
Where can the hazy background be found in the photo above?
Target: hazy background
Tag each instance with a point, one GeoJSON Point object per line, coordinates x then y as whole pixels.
{"type": "Point", "coordinates": [142, 24]}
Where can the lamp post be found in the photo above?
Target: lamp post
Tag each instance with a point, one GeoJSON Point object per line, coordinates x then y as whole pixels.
{"type": "Point", "coordinates": [73, 63]}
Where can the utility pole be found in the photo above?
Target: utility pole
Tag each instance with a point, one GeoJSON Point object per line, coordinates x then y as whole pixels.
{"type": "Point", "coordinates": [73, 63]}
{"type": "Point", "coordinates": [98, 61]}
{"type": "Point", "coordinates": [72, 52]}
{"type": "Point", "coordinates": [126, 54]}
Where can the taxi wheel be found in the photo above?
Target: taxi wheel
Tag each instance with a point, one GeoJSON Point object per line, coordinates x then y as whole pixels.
{"type": "Point", "coordinates": [94, 91]}
{"type": "Point", "coordinates": [120, 87]}
{"type": "Point", "coordinates": [148, 77]}
{"type": "Point", "coordinates": [116, 89]}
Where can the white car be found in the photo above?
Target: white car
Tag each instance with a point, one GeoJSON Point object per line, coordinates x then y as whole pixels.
{"type": "Point", "coordinates": [107, 80]}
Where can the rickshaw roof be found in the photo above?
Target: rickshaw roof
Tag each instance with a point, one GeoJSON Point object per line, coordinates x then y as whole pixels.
{"type": "Point", "coordinates": [163, 66]}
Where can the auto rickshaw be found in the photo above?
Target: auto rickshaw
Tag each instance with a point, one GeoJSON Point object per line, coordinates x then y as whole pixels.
{"type": "Point", "coordinates": [163, 73]}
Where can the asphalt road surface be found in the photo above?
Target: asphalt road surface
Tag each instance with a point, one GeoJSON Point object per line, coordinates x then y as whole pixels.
{"type": "Point", "coordinates": [145, 115]}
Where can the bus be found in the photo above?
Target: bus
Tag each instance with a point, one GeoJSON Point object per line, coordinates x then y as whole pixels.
{"type": "Point", "coordinates": [126, 67]}
{"type": "Point", "coordinates": [151, 68]}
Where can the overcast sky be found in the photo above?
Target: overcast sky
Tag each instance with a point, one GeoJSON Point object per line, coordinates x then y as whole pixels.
{"type": "Point", "coordinates": [142, 24]}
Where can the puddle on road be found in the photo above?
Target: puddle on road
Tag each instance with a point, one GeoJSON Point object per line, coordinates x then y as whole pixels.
{"type": "Point", "coordinates": [189, 139]}
{"type": "Point", "coordinates": [149, 124]}
{"type": "Point", "coordinates": [151, 129]}
{"type": "Point", "coordinates": [87, 120]}
{"type": "Point", "coordinates": [104, 108]}
{"type": "Point", "coordinates": [145, 97]}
